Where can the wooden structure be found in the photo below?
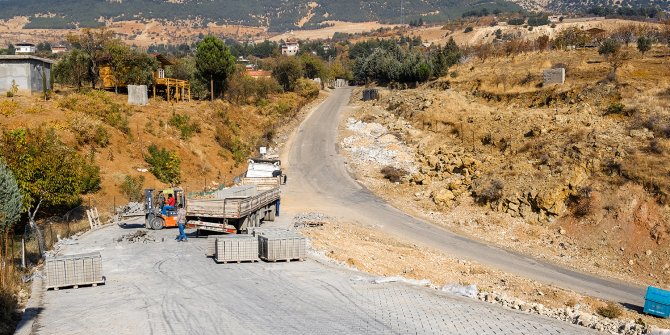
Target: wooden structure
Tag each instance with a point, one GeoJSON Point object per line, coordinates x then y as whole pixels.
{"type": "Point", "coordinates": [175, 89]}
{"type": "Point", "coordinates": [172, 89]}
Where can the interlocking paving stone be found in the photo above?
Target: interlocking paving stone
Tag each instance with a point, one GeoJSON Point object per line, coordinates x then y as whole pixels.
{"type": "Point", "coordinates": [172, 288]}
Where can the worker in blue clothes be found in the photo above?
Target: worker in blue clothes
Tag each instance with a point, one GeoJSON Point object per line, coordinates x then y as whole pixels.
{"type": "Point", "coordinates": [181, 223]}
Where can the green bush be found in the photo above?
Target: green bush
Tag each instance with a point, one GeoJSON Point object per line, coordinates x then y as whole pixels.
{"type": "Point", "coordinates": [186, 127]}
{"type": "Point", "coordinates": [132, 187]}
{"type": "Point", "coordinates": [615, 108]}
{"type": "Point", "coordinates": [306, 88]}
{"type": "Point", "coordinates": [164, 164]}
{"type": "Point", "coordinates": [9, 316]}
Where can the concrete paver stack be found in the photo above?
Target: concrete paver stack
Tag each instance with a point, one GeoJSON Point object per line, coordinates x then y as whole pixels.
{"type": "Point", "coordinates": [74, 270]}
{"type": "Point", "coordinates": [281, 245]}
{"type": "Point", "coordinates": [236, 248]}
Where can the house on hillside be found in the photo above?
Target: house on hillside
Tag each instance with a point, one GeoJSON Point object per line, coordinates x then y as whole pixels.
{"type": "Point", "coordinates": [171, 88]}
{"type": "Point", "coordinates": [25, 48]}
{"type": "Point", "coordinates": [58, 49]}
{"type": "Point", "coordinates": [28, 73]}
{"type": "Point", "coordinates": [290, 48]}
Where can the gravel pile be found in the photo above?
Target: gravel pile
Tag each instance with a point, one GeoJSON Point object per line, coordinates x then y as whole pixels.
{"type": "Point", "coordinates": [372, 143]}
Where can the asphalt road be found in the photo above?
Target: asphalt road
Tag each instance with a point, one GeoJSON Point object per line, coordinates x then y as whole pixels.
{"type": "Point", "coordinates": [318, 178]}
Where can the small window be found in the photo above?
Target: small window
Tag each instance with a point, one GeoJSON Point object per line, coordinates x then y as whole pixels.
{"type": "Point", "coordinates": [161, 73]}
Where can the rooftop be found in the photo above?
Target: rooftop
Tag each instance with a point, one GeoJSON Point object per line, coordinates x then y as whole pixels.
{"type": "Point", "coordinates": [26, 57]}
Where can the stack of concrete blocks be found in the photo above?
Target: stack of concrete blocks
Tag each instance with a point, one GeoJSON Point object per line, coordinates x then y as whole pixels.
{"type": "Point", "coordinates": [74, 270]}
{"type": "Point", "coordinates": [210, 251]}
{"type": "Point", "coordinates": [281, 245]}
{"type": "Point", "coordinates": [554, 76]}
{"type": "Point", "coordinates": [138, 95]}
{"type": "Point", "coordinates": [236, 248]}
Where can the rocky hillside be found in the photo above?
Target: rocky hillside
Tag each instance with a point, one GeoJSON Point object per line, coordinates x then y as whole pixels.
{"type": "Point", "coordinates": [576, 173]}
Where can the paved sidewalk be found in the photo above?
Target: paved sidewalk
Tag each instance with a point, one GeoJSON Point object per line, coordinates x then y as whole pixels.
{"type": "Point", "coordinates": [172, 288]}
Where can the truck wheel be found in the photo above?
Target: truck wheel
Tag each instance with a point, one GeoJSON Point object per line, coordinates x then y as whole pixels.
{"type": "Point", "coordinates": [157, 223]}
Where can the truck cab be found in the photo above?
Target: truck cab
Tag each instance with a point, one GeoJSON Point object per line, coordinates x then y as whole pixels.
{"type": "Point", "coordinates": [263, 167]}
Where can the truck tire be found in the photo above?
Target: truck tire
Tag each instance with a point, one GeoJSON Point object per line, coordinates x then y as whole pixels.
{"type": "Point", "coordinates": [157, 223]}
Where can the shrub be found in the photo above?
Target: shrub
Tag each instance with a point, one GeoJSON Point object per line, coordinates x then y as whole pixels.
{"type": "Point", "coordinates": [99, 104]}
{"type": "Point", "coordinates": [231, 142]}
{"type": "Point", "coordinates": [615, 108]}
{"type": "Point", "coordinates": [516, 21]}
{"type": "Point", "coordinates": [186, 127]}
{"type": "Point", "coordinates": [132, 187]}
{"type": "Point", "coordinates": [9, 316]}
{"type": "Point", "coordinates": [468, 29]}
{"type": "Point", "coordinates": [492, 193]}
{"type": "Point", "coordinates": [656, 147]}
{"type": "Point", "coordinates": [8, 107]}
{"type": "Point", "coordinates": [306, 88]}
{"type": "Point", "coordinates": [393, 174]}
{"type": "Point", "coordinates": [88, 131]}
{"type": "Point", "coordinates": [611, 311]}
{"type": "Point", "coordinates": [164, 164]}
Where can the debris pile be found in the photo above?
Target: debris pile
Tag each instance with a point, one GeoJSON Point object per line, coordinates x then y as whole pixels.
{"type": "Point", "coordinates": [310, 219]}
{"type": "Point", "coordinates": [138, 236]}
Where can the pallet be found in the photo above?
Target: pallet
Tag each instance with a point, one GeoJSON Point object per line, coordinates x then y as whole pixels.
{"type": "Point", "coordinates": [285, 260]}
{"type": "Point", "coordinates": [236, 262]}
{"type": "Point", "coordinates": [93, 284]}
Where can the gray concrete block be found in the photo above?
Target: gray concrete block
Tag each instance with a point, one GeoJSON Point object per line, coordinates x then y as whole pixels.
{"type": "Point", "coordinates": [138, 95]}
{"type": "Point", "coordinates": [554, 76]}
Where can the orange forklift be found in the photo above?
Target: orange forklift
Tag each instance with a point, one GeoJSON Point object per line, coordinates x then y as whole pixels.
{"type": "Point", "coordinates": [159, 214]}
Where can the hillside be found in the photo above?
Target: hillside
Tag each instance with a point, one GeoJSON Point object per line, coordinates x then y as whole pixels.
{"type": "Point", "coordinates": [574, 173]}
{"type": "Point", "coordinates": [211, 139]}
{"type": "Point", "coordinates": [276, 15]}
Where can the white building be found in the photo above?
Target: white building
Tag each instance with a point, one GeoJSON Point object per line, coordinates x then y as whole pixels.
{"type": "Point", "coordinates": [57, 49]}
{"type": "Point", "coordinates": [290, 48]}
{"type": "Point", "coordinates": [25, 48]}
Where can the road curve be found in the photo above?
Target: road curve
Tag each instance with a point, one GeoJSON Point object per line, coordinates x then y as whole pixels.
{"type": "Point", "coordinates": [318, 179]}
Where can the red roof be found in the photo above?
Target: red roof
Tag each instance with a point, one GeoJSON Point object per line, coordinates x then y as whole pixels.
{"type": "Point", "coordinates": [259, 73]}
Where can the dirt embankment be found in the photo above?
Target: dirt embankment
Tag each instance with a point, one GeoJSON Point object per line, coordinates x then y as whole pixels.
{"type": "Point", "coordinates": [212, 139]}
{"type": "Point", "coordinates": [570, 173]}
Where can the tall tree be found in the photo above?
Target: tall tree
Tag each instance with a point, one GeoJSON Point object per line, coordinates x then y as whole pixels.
{"type": "Point", "coordinates": [10, 212]}
{"type": "Point", "coordinates": [92, 42]}
{"type": "Point", "coordinates": [287, 71]}
{"type": "Point", "coordinates": [48, 172]}
{"type": "Point", "coordinates": [73, 68]}
{"type": "Point", "coordinates": [214, 61]}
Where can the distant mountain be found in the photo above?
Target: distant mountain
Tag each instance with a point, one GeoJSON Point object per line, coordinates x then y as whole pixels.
{"type": "Point", "coordinates": [601, 7]}
{"type": "Point", "coordinates": [278, 15]}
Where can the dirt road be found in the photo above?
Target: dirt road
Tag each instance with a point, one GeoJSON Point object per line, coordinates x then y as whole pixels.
{"type": "Point", "coordinates": [320, 180]}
